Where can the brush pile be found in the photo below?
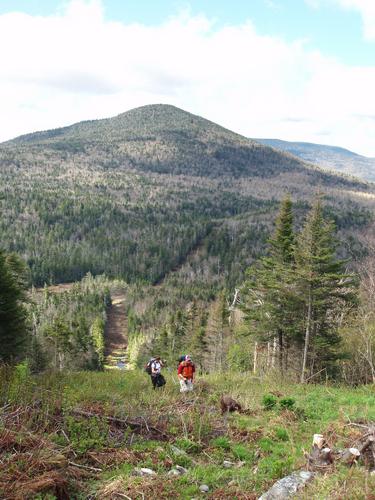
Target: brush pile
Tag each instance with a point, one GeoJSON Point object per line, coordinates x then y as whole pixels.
{"type": "Point", "coordinates": [361, 451]}
{"type": "Point", "coordinates": [30, 465]}
{"type": "Point", "coordinates": [38, 456]}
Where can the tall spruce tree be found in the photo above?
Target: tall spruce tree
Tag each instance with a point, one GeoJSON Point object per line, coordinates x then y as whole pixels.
{"type": "Point", "coordinates": [271, 300]}
{"type": "Point", "coordinates": [199, 342]}
{"type": "Point", "coordinates": [13, 316]}
{"type": "Point", "coordinates": [177, 329]}
{"type": "Point", "coordinates": [162, 345]}
{"type": "Point", "coordinates": [325, 290]}
{"type": "Point", "coordinates": [282, 242]}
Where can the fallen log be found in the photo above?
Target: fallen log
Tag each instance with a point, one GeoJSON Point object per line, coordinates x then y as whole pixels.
{"type": "Point", "coordinates": [320, 458]}
{"type": "Point", "coordinates": [321, 455]}
{"type": "Point", "coordinates": [122, 422]}
{"type": "Point", "coordinates": [350, 456]}
{"type": "Point", "coordinates": [367, 450]}
{"type": "Point", "coordinates": [365, 447]}
{"type": "Point", "coordinates": [368, 443]}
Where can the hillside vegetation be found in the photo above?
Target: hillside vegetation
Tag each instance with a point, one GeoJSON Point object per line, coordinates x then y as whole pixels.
{"type": "Point", "coordinates": [87, 435]}
{"type": "Point", "coordinates": [137, 195]}
{"type": "Point", "coordinates": [330, 157]}
{"type": "Point", "coordinates": [198, 256]}
{"type": "Point", "coordinates": [164, 139]}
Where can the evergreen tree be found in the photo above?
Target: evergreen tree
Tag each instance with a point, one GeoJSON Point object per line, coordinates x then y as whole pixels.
{"type": "Point", "coordinates": [13, 316]}
{"type": "Point", "coordinates": [218, 331]}
{"type": "Point", "coordinates": [133, 321]}
{"type": "Point", "coordinates": [270, 297]}
{"type": "Point", "coordinates": [199, 342]}
{"type": "Point", "coordinates": [162, 347]}
{"type": "Point", "coordinates": [282, 243]}
{"type": "Point", "coordinates": [192, 317]}
{"type": "Point", "coordinates": [325, 290]}
{"type": "Point", "coordinates": [60, 336]}
{"type": "Point", "coordinates": [178, 326]}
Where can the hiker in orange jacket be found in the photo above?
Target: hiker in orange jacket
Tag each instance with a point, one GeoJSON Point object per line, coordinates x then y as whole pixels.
{"type": "Point", "coordinates": [185, 373]}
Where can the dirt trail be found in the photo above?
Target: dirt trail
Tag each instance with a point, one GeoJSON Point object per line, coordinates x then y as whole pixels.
{"type": "Point", "coordinates": [115, 332]}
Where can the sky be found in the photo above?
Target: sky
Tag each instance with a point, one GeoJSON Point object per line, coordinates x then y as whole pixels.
{"type": "Point", "coordinates": [298, 70]}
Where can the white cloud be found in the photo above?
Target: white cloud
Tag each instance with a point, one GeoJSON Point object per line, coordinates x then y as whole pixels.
{"type": "Point", "coordinates": [315, 4]}
{"type": "Point", "coordinates": [76, 65]}
{"type": "Point", "coordinates": [271, 4]}
{"type": "Point", "coordinates": [366, 9]}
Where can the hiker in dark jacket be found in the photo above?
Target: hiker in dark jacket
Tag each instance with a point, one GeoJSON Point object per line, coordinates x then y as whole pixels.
{"type": "Point", "coordinates": [157, 378]}
{"type": "Point", "coordinates": [185, 373]}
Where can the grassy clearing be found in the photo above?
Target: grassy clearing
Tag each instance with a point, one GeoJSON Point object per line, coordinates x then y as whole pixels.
{"type": "Point", "coordinates": [97, 456]}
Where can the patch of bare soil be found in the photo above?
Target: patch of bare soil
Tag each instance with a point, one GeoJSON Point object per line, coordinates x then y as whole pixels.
{"type": "Point", "coordinates": [116, 325]}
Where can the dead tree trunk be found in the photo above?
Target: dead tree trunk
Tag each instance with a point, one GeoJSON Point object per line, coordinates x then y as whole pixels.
{"type": "Point", "coordinates": [307, 337]}
{"type": "Point", "coordinates": [281, 350]}
{"type": "Point", "coordinates": [255, 365]}
{"type": "Point", "coordinates": [274, 352]}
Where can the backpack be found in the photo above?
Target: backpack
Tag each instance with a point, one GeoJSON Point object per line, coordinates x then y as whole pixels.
{"type": "Point", "coordinates": [148, 366]}
{"type": "Point", "coordinates": [160, 381]}
{"type": "Point", "coordinates": [188, 369]}
{"type": "Point", "coordinates": [181, 359]}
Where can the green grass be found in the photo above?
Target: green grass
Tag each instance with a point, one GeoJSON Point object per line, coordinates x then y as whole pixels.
{"type": "Point", "coordinates": [263, 445]}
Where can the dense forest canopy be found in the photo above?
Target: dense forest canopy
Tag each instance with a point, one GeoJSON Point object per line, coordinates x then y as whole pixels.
{"type": "Point", "coordinates": [156, 190]}
{"type": "Point", "coordinates": [179, 208]}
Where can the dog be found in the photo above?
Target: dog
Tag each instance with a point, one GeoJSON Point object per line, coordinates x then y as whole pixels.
{"type": "Point", "coordinates": [228, 404]}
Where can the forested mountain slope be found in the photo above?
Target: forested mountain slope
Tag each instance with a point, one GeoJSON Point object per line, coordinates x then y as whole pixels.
{"type": "Point", "coordinates": [332, 157]}
{"type": "Point", "coordinates": [164, 139]}
{"type": "Point", "coordinates": [143, 193]}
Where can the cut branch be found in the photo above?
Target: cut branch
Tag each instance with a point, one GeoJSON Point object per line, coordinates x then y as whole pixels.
{"type": "Point", "coordinates": [122, 422]}
{"type": "Point", "coordinates": [93, 469]}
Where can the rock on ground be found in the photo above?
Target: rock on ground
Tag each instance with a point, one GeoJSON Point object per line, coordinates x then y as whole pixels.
{"type": "Point", "coordinates": [288, 486]}
{"type": "Point", "coordinates": [177, 451]}
{"type": "Point", "coordinates": [178, 470]}
{"type": "Point", "coordinates": [143, 471]}
{"type": "Point", "coordinates": [204, 488]}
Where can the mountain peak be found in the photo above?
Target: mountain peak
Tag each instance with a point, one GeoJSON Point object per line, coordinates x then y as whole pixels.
{"type": "Point", "coordinates": [162, 138]}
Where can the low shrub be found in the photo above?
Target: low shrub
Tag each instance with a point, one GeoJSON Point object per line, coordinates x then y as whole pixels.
{"type": "Point", "coordinates": [281, 434]}
{"type": "Point", "coordinates": [269, 401]}
{"type": "Point", "coordinates": [287, 403]}
{"type": "Point", "coordinates": [242, 452]}
{"type": "Point", "coordinates": [221, 442]}
{"type": "Point", "coordinates": [188, 445]}
{"type": "Point", "coordinates": [85, 434]}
